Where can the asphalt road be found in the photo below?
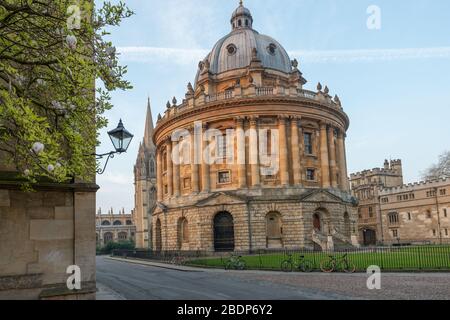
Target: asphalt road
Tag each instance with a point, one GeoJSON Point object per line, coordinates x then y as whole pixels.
{"type": "Point", "coordinates": [122, 280]}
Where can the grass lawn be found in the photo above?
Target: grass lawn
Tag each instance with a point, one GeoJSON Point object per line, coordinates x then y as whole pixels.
{"type": "Point", "coordinates": [395, 259]}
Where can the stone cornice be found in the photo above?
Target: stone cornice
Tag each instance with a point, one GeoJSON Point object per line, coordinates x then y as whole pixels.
{"type": "Point", "coordinates": [264, 100]}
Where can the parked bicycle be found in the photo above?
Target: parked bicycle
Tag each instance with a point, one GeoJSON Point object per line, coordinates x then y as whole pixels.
{"type": "Point", "coordinates": [178, 260]}
{"type": "Point", "coordinates": [334, 264]}
{"type": "Point", "coordinates": [235, 262]}
{"type": "Point", "coordinates": [300, 264]}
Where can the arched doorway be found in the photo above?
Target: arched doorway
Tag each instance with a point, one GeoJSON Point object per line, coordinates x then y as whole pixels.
{"type": "Point", "coordinates": [158, 237]}
{"type": "Point", "coordinates": [223, 232]}
{"type": "Point", "coordinates": [274, 230]}
{"type": "Point", "coordinates": [317, 223]}
{"type": "Point", "coordinates": [369, 237]}
{"type": "Point", "coordinates": [347, 226]}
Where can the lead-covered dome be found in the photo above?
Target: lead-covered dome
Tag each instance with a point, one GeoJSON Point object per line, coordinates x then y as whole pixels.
{"type": "Point", "coordinates": [236, 50]}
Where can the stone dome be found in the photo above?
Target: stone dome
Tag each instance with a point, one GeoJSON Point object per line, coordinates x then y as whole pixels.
{"type": "Point", "coordinates": [235, 50]}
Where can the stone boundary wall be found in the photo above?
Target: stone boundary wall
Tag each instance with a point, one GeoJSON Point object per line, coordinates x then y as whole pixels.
{"type": "Point", "coordinates": [41, 234]}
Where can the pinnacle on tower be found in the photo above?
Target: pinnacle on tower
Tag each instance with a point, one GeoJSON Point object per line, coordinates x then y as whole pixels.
{"type": "Point", "coordinates": [148, 141]}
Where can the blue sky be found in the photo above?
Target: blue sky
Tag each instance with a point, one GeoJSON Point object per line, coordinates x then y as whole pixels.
{"type": "Point", "coordinates": [394, 83]}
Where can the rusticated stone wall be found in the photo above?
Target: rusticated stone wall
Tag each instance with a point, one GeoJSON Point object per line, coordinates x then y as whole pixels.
{"type": "Point", "coordinates": [250, 220]}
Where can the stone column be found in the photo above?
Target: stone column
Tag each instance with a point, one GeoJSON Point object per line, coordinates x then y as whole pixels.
{"type": "Point", "coordinates": [325, 166]}
{"type": "Point", "coordinates": [159, 176]}
{"type": "Point", "coordinates": [284, 174]}
{"type": "Point", "coordinates": [206, 183]}
{"type": "Point", "coordinates": [169, 168]}
{"type": "Point", "coordinates": [242, 168]}
{"type": "Point", "coordinates": [254, 156]}
{"type": "Point", "coordinates": [195, 160]}
{"type": "Point", "coordinates": [332, 155]}
{"type": "Point", "coordinates": [176, 169]}
{"type": "Point", "coordinates": [295, 146]}
{"type": "Point", "coordinates": [342, 161]}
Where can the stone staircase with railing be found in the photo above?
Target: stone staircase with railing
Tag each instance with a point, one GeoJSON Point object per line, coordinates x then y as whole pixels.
{"type": "Point", "coordinates": [322, 240]}
{"type": "Point", "coordinates": [334, 241]}
{"type": "Point", "coordinates": [340, 240]}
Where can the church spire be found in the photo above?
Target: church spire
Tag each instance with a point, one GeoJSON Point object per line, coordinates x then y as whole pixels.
{"type": "Point", "coordinates": [148, 139]}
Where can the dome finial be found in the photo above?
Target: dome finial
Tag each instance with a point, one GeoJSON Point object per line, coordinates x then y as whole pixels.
{"type": "Point", "coordinates": [242, 18]}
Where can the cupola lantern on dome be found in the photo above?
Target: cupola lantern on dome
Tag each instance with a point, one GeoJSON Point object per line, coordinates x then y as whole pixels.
{"type": "Point", "coordinates": [241, 18]}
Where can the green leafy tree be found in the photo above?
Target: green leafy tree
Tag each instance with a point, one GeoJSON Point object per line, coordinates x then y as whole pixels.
{"type": "Point", "coordinates": [52, 55]}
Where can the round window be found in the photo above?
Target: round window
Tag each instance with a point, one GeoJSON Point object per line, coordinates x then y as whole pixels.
{"type": "Point", "coordinates": [231, 49]}
{"type": "Point", "coordinates": [272, 48]}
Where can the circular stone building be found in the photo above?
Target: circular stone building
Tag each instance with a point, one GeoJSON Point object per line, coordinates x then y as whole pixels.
{"type": "Point", "coordinates": [250, 160]}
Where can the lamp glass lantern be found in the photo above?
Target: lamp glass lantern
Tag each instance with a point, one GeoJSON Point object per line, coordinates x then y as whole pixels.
{"type": "Point", "coordinates": [120, 138]}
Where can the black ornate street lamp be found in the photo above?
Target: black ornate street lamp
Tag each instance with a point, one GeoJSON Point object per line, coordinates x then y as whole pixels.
{"type": "Point", "coordinates": [121, 139]}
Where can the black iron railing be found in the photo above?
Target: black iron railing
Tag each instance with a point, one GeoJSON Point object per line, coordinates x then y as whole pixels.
{"type": "Point", "coordinates": [388, 258]}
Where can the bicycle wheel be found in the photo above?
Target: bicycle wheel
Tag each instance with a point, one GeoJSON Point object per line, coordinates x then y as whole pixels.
{"type": "Point", "coordinates": [327, 266]}
{"type": "Point", "coordinates": [348, 267]}
{"type": "Point", "coordinates": [306, 266]}
{"type": "Point", "coordinates": [286, 266]}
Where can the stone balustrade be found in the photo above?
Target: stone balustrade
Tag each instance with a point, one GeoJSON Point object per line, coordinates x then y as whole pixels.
{"type": "Point", "coordinates": [252, 91]}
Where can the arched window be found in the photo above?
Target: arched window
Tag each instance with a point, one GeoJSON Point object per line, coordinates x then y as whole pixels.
{"type": "Point", "coordinates": [129, 222]}
{"type": "Point", "coordinates": [106, 223]}
{"type": "Point", "coordinates": [185, 228]}
{"type": "Point", "coordinates": [164, 157]}
{"type": "Point", "coordinates": [221, 146]}
{"type": "Point", "coordinates": [108, 237]}
{"type": "Point", "coordinates": [183, 232]}
{"type": "Point", "coordinates": [117, 223]}
{"type": "Point", "coordinates": [240, 23]}
{"type": "Point", "coordinates": [152, 167]}
{"type": "Point", "coordinates": [246, 22]}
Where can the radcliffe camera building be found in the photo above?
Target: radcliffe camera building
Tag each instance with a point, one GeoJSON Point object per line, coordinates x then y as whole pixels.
{"type": "Point", "coordinates": [247, 94]}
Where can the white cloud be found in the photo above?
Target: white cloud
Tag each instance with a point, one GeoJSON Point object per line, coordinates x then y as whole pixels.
{"type": "Point", "coordinates": [189, 56]}
{"type": "Point", "coordinates": [151, 54]}
{"type": "Point", "coordinates": [372, 55]}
